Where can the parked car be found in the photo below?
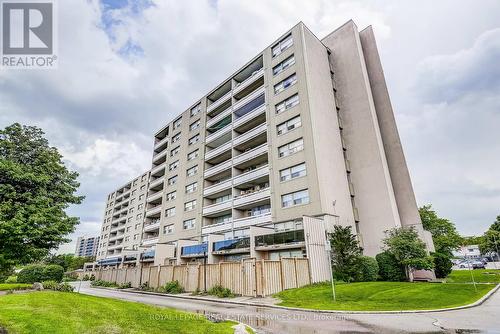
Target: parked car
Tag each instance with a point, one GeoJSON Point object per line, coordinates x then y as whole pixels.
{"type": "Point", "coordinates": [474, 264]}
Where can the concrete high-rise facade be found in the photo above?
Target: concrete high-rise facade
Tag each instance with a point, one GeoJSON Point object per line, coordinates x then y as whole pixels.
{"type": "Point", "coordinates": [299, 139]}
{"type": "Point", "coordinates": [86, 246]}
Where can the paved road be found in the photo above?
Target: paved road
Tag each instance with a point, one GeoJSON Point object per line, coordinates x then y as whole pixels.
{"type": "Point", "coordinates": [481, 319]}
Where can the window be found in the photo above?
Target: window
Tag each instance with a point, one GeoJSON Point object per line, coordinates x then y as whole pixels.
{"type": "Point", "coordinates": [131, 210]}
{"type": "Point", "coordinates": [296, 198]}
{"type": "Point", "coordinates": [173, 165]}
{"type": "Point", "coordinates": [194, 140]}
{"type": "Point", "coordinates": [140, 206]}
{"type": "Point", "coordinates": [170, 212]}
{"type": "Point", "coordinates": [168, 229]}
{"type": "Point", "coordinates": [144, 177]}
{"type": "Point", "coordinates": [188, 224]}
{"type": "Point", "coordinates": [194, 126]}
{"type": "Point", "coordinates": [189, 206]}
{"type": "Point", "coordinates": [137, 226]}
{"type": "Point", "coordinates": [222, 219]}
{"type": "Point", "coordinates": [141, 197]}
{"type": "Point", "coordinates": [191, 187]}
{"type": "Point", "coordinates": [177, 123]}
{"type": "Point", "coordinates": [132, 201]}
{"type": "Point", "coordinates": [143, 187]}
{"type": "Point", "coordinates": [175, 151]}
{"type": "Point", "coordinates": [284, 44]}
{"type": "Point", "coordinates": [171, 196]}
{"type": "Point", "coordinates": [284, 65]}
{"type": "Point", "coordinates": [127, 239]}
{"type": "Point", "coordinates": [290, 102]}
{"type": "Point", "coordinates": [176, 138]}
{"type": "Point", "coordinates": [135, 182]}
{"type": "Point", "coordinates": [288, 125]}
{"type": "Point", "coordinates": [172, 180]}
{"type": "Point", "coordinates": [281, 86]}
{"type": "Point", "coordinates": [223, 198]}
{"type": "Point", "coordinates": [192, 171]}
{"type": "Point", "coordinates": [136, 236]}
{"type": "Point", "coordinates": [128, 229]}
{"type": "Point", "coordinates": [291, 148]}
{"type": "Point", "coordinates": [195, 110]}
{"type": "Point", "coordinates": [293, 172]}
{"type": "Point", "coordinates": [130, 219]}
{"type": "Point", "coordinates": [133, 192]}
{"type": "Point", "coordinates": [139, 216]}
{"type": "Point", "coordinates": [192, 155]}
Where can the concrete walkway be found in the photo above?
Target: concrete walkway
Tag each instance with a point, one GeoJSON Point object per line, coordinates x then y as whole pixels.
{"type": "Point", "coordinates": [484, 318]}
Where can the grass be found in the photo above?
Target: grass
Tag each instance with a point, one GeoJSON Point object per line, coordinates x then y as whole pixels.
{"type": "Point", "coordinates": [14, 286]}
{"type": "Point", "coordinates": [61, 312]}
{"type": "Point", "coordinates": [480, 276]}
{"type": "Point", "coordinates": [383, 296]}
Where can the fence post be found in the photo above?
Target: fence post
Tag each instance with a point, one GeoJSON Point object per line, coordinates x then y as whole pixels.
{"type": "Point", "coordinates": [296, 274]}
{"type": "Point", "coordinates": [220, 275]}
{"type": "Point", "coordinates": [158, 277]}
{"type": "Point", "coordinates": [262, 281]}
{"type": "Point", "coordinates": [282, 279]}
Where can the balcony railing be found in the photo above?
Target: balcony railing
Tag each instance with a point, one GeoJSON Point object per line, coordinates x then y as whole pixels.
{"type": "Point", "coordinates": [280, 238]}
{"type": "Point", "coordinates": [154, 196]}
{"type": "Point", "coordinates": [249, 116]}
{"type": "Point", "coordinates": [154, 210]}
{"type": "Point", "coordinates": [158, 168]}
{"type": "Point", "coordinates": [217, 207]}
{"type": "Point", "coordinates": [218, 168]}
{"type": "Point", "coordinates": [160, 155]}
{"type": "Point", "coordinates": [219, 133]}
{"type": "Point", "coordinates": [251, 175]}
{"type": "Point", "coordinates": [161, 142]}
{"type": "Point", "coordinates": [252, 220]}
{"type": "Point", "coordinates": [255, 196]}
{"type": "Point", "coordinates": [148, 255]}
{"type": "Point", "coordinates": [250, 134]}
{"type": "Point", "coordinates": [217, 151]}
{"type": "Point", "coordinates": [250, 154]}
{"type": "Point", "coordinates": [156, 182]}
{"type": "Point", "coordinates": [194, 250]}
{"type": "Point", "coordinates": [150, 241]}
{"type": "Point", "coordinates": [257, 95]}
{"type": "Point", "coordinates": [215, 188]}
{"type": "Point", "coordinates": [153, 226]}
{"type": "Point", "coordinates": [242, 244]}
{"type": "Point", "coordinates": [219, 101]}
{"type": "Point", "coordinates": [219, 117]}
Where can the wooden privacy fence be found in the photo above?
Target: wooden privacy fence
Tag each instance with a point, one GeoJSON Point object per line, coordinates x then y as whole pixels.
{"type": "Point", "coordinates": [250, 277]}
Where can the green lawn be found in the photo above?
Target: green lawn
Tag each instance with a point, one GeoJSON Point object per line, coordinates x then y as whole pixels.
{"type": "Point", "coordinates": [64, 312]}
{"type": "Point", "coordinates": [383, 296]}
{"type": "Point", "coordinates": [480, 275]}
{"type": "Point", "coordinates": [14, 286]}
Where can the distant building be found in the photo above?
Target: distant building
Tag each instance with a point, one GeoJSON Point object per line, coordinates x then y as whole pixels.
{"type": "Point", "coordinates": [86, 246]}
{"type": "Point", "coordinates": [469, 252]}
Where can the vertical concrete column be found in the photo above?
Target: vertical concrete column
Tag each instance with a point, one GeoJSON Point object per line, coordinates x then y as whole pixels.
{"type": "Point", "coordinates": [255, 231]}
{"type": "Point", "coordinates": [212, 238]}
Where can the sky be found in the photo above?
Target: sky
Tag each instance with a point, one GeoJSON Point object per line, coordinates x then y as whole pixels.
{"type": "Point", "coordinates": [128, 67]}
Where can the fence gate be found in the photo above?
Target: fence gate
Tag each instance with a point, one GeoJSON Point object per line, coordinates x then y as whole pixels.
{"type": "Point", "coordinates": [249, 273]}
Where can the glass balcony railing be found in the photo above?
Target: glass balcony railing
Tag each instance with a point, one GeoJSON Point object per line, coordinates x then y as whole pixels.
{"type": "Point", "coordinates": [250, 106]}
{"type": "Point", "coordinates": [288, 237]}
{"type": "Point", "coordinates": [194, 249]}
{"type": "Point", "coordinates": [148, 255]}
{"type": "Point", "coordinates": [231, 244]}
{"type": "Point", "coordinates": [130, 258]}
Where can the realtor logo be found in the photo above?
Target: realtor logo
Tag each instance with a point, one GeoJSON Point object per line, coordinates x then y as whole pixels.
{"type": "Point", "coordinates": [28, 32]}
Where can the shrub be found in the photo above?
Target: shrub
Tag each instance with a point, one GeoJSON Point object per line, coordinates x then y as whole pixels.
{"type": "Point", "coordinates": [64, 287]}
{"type": "Point", "coordinates": [31, 274]}
{"type": "Point", "coordinates": [53, 272]}
{"type": "Point", "coordinates": [389, 267]}
{"type": "Point", "coordinates": [127, 285]}
{"type": "Point", "coordinates": [104, 284]}
{"type": "Point", "coordinates": [49, 285]}
{"type": "Point", "coordinates": [11, 279]}
{"type": "Point", "coordinates": [442, 264]}
{"type": "Point", "coordinates": [86, 277]}
{"type": "Point", "coordinates": [145, 287]}
{"type": "Point", "coordinates": [172, 287]}
{"type": "Point", "coordinates": [220, 292]}
{"type": "Point", "coordinates": [367, 269]}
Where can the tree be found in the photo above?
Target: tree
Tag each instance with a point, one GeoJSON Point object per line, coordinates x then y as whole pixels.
{"type": "Point", "coordinates": [35, 190]}
{"type": "Point", "coordinates": [389, 267]}
{"type": "Point", "coordinates": [408, 249]}
{"type": "Point", "coordinates": [445, 237]}
{"type": "Point", "coordinates": [490, 241]}
{"type": "Point", "coordinates": [346, 253]}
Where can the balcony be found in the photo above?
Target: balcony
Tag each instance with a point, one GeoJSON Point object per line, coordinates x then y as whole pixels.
{"type": "Point", "coordinates": [153, 211]}
{"type": "Point", "coordinates": [162, 144]}
{"type": "Point", "coordinates": [155, 225]}
{"type": "Point", "coordinates": [255, 95]}
{"type": "Point", "coordinates": [218, 187]}
{"type": "Point", "coordinates": [253, 198]}
{"type": "Point", "coordinates": [252, 220]}
{"type": "Point", "coordinates": [232, 246]}
{"type": "Point", "coordinates": [216, 228]}
{"type": "Point", "coordinates": [160, 157]}
{"type": "Point", "coordinates": [194, 251]}
{"type": "Point", "coordinates": [250, 116]}
{"type": "Point", "coordinates": [222, 135]}
{"type": "Point", "coordinates": [148, 256]}
{"type": "Point", "coordinates": [257, 174]}
{"type": "Point", "coordinates": [150, 241]}
{"type": "Point", "coordinates": [251, 154]}
{"type": "Point", "coordinates": [217, 208]}
{"type": "Point", "coordinates": [218, 151]}
{"type": "Point", "coordinates": [280, 240]}
{"type": "Point", "coordinates": [154, 197]}
{"type": "Point", "coordinates": [156, 182]}
{"type": "Point", "coordinates": [241, 139]}
{"type": "Point", "coordinates": [214, 120]}
{"type": "Point", "coordinates": [219, 168]}
{"type": "Point", "coordinates": [159, 170]}
{"type": "Point", "coordinates": [248, 81]}
{"type": "Point", "coordinates": [219, 102]}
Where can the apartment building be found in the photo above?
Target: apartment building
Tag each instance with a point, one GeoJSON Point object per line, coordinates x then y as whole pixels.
{"type": "Point", "coordinates": [300, 138]}
{"type": "Point", "coordinates": [121, 232]}
{"type": "Point", "coordinates": [86, 246]}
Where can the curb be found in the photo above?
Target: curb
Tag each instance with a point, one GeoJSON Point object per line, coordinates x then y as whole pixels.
{"type": "Point", "coordinates": [475, 304]}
